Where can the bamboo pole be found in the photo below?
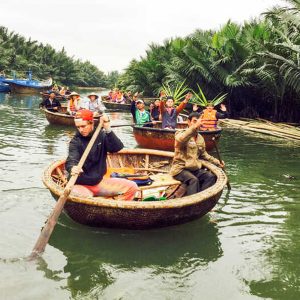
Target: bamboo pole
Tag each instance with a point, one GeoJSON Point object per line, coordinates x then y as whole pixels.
{"type": "Point", "coordinates": [266, 127]}
{"type": "Point", "coordinates": [220, 160]}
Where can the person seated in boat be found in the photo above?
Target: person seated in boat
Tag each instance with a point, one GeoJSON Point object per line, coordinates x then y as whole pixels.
{"type": "Point", "coordinates": [114, 95]}
{"type": "Point", "coordinates": [197, 108]}
{"type": "Point", "coordinates": [140, 115]}
{"type": "Point", "coordinates": [155, 112]}
{"type": "Point", "coordinates": [62, 91]}
{"type": "Point", "coordinates": [51, 103]}
{"type": "Point", "coordinates": [210, 116]}
{"type": "Point", "coordinates": [120, 98]}
{"type": "Point", "coordinates": [93, 104]}
{"type": "Point", "coordinates": [90, 181]}
{"type": "Point", "coordinates": [74, 103]}
{"type": "Point", "coordinates": [128, 97]}
{"type": "Point", "coordinates": [189, 149]}
{"type": "Point", "coordinates": [55, 88]}
{"type": "Point", "coordinates": [169, 113]}
{"type": "Point", "coordinates": [68, 92]}
{"type": "Point", "coordinates": [109, 95]}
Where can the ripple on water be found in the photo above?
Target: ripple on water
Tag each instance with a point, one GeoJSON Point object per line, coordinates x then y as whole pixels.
{"type": "Point", "coordinates": [236, 252]}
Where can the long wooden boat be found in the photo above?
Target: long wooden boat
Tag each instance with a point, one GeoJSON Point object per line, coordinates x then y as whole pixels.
{"type": "Point", "coordinates": [116, 106]}
{"type": "Point", "coordinates": [28, 86]}
{"type": "Point", "coordinates": [164, 139]}
{"type": "Point", "coordinates": [104, 212]}
{"type": "Point", "coordinates": [61, 118]}
{"type": "Point", "coordinates": [4, 87]}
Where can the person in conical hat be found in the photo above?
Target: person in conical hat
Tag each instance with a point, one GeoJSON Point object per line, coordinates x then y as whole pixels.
{"type": "Point", "coordinates": [74, 103]}
{"type": "Point", "coordinates": [93, 104]}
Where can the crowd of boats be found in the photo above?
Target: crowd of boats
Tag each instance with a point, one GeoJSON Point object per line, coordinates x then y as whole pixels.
{"type": "Point", "coordinates": [152, 159]}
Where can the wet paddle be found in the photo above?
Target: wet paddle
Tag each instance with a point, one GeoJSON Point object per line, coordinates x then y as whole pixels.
{"type": "Point", "coordinates": [220, 160]}
{"type": "Point", "coordinates": [45, 234]}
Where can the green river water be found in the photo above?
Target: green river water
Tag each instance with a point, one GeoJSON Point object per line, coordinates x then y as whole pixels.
{"type": "Point", "coordinates": [248, 247]}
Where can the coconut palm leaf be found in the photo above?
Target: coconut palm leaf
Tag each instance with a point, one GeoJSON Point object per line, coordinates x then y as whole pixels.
{"type": "Point", "coordinates": [200, 98]}
{"type": "Point", "coordinates": [178, 91]}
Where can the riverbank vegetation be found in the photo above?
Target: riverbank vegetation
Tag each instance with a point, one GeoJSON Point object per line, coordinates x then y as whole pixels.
{"type": "Point", "coordinates": [256, 64]}
{"type": "Point", "coordinates": [18, 55]}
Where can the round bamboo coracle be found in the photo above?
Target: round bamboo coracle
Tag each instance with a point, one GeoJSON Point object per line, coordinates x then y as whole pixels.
{"type": "Point", "coordinates": [98, 211]}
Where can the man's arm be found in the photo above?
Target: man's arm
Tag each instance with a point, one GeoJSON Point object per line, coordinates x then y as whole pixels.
{"type": "Point", "coordinates": [112, 142]}
{"type": "Point", "coordinates": [183, 104]}
{"type": "Point", "coordinates": [162, 106]}
{"type": "Point", "coordinates": [180, 107]}
{"type": "Point", "coordinates": [224, 114]}
{"type": "Point", "coordinates": [42, 104]}
{"type": "Point", "coordinates": [133, 110]}
{"type": "Point", "coordinates": [184, 135]}
{"type": "Point", "coordinates": [204, 155]}
{"type": "Point", "coordinates": [74, 155]}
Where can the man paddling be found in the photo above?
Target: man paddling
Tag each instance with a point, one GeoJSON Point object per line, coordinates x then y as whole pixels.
{"type": "Point", "coordinates": [90, 181]}
{"type": "Point", "coordinates": [189, 149]}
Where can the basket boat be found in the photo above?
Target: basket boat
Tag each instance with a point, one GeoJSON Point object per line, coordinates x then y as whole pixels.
{"type": "Point", "coordinates": [164, 139]}
{"type": "Point", "coordinates": [61, 118]}
{"type": "Point", "coordinates": [102, 212]}
{"type": "Point", "coordinates": [116, 106]}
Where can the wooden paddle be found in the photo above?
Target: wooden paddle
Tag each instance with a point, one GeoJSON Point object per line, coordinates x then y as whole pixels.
{"type": "Point", "coordinates": [45, 234]}
{"type": "Point", "coordinates": [220, 160]}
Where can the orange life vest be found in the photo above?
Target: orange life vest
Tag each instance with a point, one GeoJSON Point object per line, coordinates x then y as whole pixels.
{"type": "Point", "coordinates": [209, 119]}
{"type": "Point", "coordinates": [72, 105]}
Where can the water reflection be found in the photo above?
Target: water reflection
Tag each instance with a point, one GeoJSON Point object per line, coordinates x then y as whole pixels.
{"type": "Point", "coordinates": [283, 255]}
{"type": "Point", "coordinates": [94, 255]}
{"type": "Point", "coordinates": [251, 252]}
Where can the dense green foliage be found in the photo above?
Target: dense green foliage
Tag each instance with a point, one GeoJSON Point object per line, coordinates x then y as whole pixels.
{"type": "Point", "coordinates": [257, 65]}
{"type": "Point", "coordinates": [20, 55]}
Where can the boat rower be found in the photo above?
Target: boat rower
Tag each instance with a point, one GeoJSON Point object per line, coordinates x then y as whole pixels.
{"type": "Point", "coordinates": [91, 181]}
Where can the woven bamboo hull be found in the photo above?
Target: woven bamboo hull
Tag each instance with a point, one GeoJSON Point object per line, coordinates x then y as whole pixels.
{"type": "Point", "coordinates": [162, 139]}
{"type": "Point", "coordinates": [102, 212]}
{"type": "Point", "coordinates": [20, 89]}
{"type": "Point", "coordinates": [116, 106]}
{"type": "Point", "coordinates": [61, 118]}
{"type": "Point", "coordinates": [96, 216]}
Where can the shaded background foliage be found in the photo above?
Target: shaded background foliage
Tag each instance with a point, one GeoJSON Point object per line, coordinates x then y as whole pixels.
{"type": "Point", "coordinates": [19, 55]}
{"type": "Point", "coordinates": [257, 64]}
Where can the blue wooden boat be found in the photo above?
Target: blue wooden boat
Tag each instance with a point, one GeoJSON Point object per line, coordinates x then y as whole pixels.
{"type": "Point", "coordinates": [28, 86]}
{"type": "Point", "coordinates": [4, 87]}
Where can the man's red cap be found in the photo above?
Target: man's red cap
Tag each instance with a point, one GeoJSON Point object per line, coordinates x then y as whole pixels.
{"type": "Point", "coordinates": [84, 115]}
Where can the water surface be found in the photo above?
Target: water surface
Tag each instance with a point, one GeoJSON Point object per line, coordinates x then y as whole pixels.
{"type": "Point", "coordinates": [248, 247]}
